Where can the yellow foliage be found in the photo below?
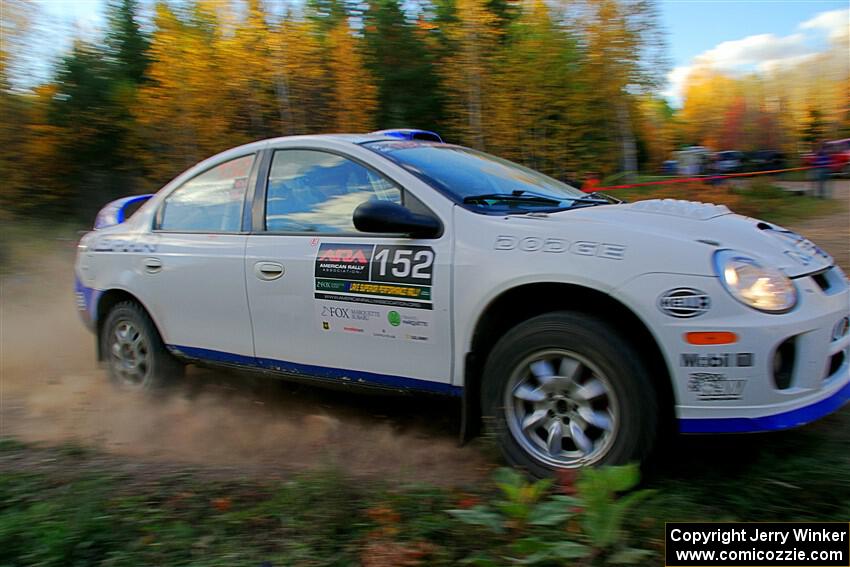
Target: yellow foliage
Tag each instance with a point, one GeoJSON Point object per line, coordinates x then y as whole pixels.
{"type": "Point", "coordinates": [354, 97]}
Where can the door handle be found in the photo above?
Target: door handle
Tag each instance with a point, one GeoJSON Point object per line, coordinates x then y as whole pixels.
{"type": "Point", "coordinates": [268, 270]}
{"type": "Point", "coordinates": [152, 265]}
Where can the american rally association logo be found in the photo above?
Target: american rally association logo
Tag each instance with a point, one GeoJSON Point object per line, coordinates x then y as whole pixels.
{"type": "Point", "coordinates": [348, 261]}
{"type": "Point", "coordinates": [684, 302]}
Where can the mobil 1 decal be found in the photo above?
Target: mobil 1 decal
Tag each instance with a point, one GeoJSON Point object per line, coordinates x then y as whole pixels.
{"type": "Point", "coordinates": [375, 290]}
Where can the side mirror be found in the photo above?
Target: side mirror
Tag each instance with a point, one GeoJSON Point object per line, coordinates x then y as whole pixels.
{"type": "Point", "coordinates": [388, 217]}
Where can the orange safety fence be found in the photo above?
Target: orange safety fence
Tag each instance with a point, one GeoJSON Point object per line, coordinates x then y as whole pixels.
{"type": "Point", "coordinates": [697, 178]}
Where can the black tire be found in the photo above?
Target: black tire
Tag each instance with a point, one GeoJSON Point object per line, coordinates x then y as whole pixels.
{"type": "Point", "coordinates": [629, 403]}
{"type": "Point", "coordinates": [160, 368]}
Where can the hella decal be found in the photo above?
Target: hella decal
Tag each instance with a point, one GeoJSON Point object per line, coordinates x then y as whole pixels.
{"type": "Point", "coordinates": [684, 302]}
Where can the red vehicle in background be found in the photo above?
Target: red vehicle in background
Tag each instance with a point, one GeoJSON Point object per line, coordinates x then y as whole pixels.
{"type": "Point", "coordinates": [839, 154]}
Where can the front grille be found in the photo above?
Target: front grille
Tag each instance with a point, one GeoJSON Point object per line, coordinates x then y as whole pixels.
{"type": "Point", "coordinates": [822, 281]}
{"type": "Point", "coordinates": [783, 364]}
{"type": "Point", "coordinates": [835, 363]}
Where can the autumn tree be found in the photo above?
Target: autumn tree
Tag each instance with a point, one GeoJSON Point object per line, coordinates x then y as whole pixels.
{"type": "Point", "coordinates": [354, 95]}
{"type": "Point", "coordinates": [298, 75]}
{"type": "Point", "coordinates": [409, 91]}
{"type": "Point", "coordinates": [622, 46]}
{"type": "Point", "coordinates": [125, 42]}
{"type": "Point", "coordinates": [531, 117]}
{"type": "Point", "coordinates": [656, 130]}
{"type": "Point", "coordinates": [472, 37]}
{"type": "Point", "coordinates": [16, 18]}
{"type": "Point", "coordinates": [184, 110]}
{"type": "Point", "coordinates": [247, 65]}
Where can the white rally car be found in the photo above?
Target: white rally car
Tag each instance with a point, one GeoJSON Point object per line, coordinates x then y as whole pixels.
{"type": "Point", "coordinates": [576, 327]}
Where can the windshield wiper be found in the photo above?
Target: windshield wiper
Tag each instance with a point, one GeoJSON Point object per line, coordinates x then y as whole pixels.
{"type": "Point", "coordinates": [590, 200]}
{"type": "Point", "coordinates": [597, 197]}
{"type": "Point", "coordinates": [519, 195]}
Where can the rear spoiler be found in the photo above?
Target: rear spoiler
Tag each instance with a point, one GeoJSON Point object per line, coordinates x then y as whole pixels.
{"type": "Point", "coordinates": [115, 212]}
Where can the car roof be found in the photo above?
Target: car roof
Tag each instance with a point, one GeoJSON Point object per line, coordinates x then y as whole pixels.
{"type": "Point", "coordinates": [348, 138]}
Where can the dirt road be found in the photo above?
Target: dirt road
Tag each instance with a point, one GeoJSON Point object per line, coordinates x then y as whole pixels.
{"type": "Point", "coordinates": [52, 391]}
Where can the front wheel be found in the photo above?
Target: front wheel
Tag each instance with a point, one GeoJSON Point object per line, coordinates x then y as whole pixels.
{"type": "Point", "coordinates": [135, 355]}
{"type": "Point", "coordinates": [564, 390]}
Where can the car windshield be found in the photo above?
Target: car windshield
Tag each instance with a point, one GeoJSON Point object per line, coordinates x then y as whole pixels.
{"type": "Point", "coordinates": [480, 179]}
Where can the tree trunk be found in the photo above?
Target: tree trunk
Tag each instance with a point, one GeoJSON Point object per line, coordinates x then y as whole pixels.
{"type": "Point", "coordinates": [630, 165]}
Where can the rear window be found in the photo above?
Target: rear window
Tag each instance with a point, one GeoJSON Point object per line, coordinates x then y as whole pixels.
{"type": "Point", "coordinates": [209, 202]}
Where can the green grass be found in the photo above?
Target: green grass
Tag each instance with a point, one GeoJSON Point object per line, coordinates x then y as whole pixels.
{"type": "Point", "coordinates": [757, 199]}
{"type": "Point", "coordinates": [21, 241]}
{"type": "Point", "coordinates": [321, 518]}
{"type": "Point", "coordinates": [80, 510]}
{"type": "Point", "coordinates": [802, 474]}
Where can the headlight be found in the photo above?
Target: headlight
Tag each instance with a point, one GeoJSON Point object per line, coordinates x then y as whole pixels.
{"type": "Point", "coordinates": [760, 287]}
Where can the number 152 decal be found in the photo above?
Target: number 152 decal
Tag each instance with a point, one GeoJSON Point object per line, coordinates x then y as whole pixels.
{"type": "Point", "coordinates": [403, 264]}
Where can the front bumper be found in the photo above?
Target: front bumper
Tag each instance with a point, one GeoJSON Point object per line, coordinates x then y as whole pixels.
{"type": "Point", "coordinates": [746, 386]}
{"type": "Point", "coordinates": [773, 422]}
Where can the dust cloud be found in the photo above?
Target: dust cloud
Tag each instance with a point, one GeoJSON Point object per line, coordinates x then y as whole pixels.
{"type": "Point", "coordinates": [52, 391]}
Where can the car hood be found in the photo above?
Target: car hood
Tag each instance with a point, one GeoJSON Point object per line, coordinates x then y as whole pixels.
{"type": "Point", "coordinates": [677, 227]}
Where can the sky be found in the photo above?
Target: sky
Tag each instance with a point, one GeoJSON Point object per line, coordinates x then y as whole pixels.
{"type": "Point", "coordinates": [731, 35]}
{"type": "Point", "coordinates": [747, 35]}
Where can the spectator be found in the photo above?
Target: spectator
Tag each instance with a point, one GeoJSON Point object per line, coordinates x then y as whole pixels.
{"type": "Point", "coordinates": [822, 163]}
{"type": "Point", "coordinates": [712, 169]}
{"type": "Point", "coordinates": [591, 183]}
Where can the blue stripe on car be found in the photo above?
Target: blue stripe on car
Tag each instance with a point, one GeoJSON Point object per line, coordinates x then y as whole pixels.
{"type": "Point", "coordinates": [785, 420]}
{"type": "Point", "coordinates": [321, 372]}
{"type": "Point", "coordinates": [87, 298]}
{"type": "Point", "coordinates": [115, 212]}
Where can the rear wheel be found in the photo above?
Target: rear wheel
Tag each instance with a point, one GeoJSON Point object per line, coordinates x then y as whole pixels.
{"type": "Point", "coordinates": [563, 390]}
{"type": "Point", "coordinates": [135, 355]}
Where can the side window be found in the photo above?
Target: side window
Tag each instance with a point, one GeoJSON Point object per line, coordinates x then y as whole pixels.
{"type": "Point", "coordinates": [211, 201]}
{"type": "Point", "coordinates": [316, 191]}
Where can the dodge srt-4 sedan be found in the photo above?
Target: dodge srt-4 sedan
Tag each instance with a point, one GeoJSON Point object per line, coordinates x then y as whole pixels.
{"type": "Point", "coordinates": [575, 327]}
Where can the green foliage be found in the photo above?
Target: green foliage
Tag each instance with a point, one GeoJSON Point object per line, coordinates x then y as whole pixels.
{"type": "Point", "coordinates": [127, 111]}
{"type": "Point", "coordinates": [409, 91]}
{"type": "Point", "coordinates": [10, 444]}
{"type": "Point", "coordinates": [64, 506]}
{"type": "Point", "coordinates": [125, 41]}
{"type": "Point", "coordinates": [75, 512]}
{"type": "Point", "coordinates": [69, 528]}
{"type": "Point", "coordinates": [520, 506]}
{"type": "Point", "coordinates": [527, 518]}
{"type": "Point", "coordinates": [605, 510]}
{"type": "Point", "coordinates": [566, 91]}
{"type": "Point", "coordinates": [758, 198]}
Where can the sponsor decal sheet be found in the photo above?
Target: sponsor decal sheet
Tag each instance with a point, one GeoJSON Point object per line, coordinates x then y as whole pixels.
{"type": "Point", "coordinates": [375, 290]}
